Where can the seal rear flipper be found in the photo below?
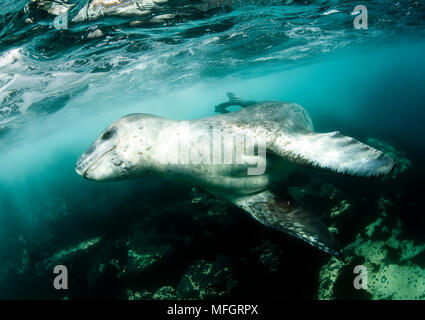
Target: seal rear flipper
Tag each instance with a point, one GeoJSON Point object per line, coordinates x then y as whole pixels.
{"type": "Point", "coordinates": [331, 151]}
{"type": "Point", "coordinates": [234, 100]}
{"type": "Point", "coordinates": [283, 213]}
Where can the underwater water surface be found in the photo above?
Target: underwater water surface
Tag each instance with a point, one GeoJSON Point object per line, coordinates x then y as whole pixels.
{"type": "Point", "coordinates": [156, 239]}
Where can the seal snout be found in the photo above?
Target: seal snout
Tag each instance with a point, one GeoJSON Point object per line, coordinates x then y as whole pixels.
{"type": "Point", "coordinates": [94, 163]}
{"type": "Point", "coordinates": [81, 167]}
{"type": "Point", "coordinates": [84, 162]}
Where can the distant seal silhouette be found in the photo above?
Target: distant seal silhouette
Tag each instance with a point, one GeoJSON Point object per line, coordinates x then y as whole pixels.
{"type": "Point", "coordinates": [137, 145]}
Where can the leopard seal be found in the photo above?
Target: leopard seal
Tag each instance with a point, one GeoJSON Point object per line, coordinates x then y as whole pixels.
{"type": "Point", "coordinates": [138, 145]}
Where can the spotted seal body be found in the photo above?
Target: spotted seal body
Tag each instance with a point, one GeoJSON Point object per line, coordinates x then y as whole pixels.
{"type": "Point", "coordinates": [140, 144]}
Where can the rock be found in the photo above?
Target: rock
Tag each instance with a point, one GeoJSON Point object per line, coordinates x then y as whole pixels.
{"type": "Point", "coordinates": [394, 263]}
{"type": "Point", "coordinates": [137, 295]}
{"type": "Point", "coordinates": [390, 261]}
{"type": "Point", "coordinates": [206, 280]}
{"type": "Point", "coordinates": [68, 254]}
{"type": "Point", "coordinates": [402, 164]}
{"type": "Point", "coordinates": [268, 255]}
{"type": "Point", "coordinates": [340, 208]}
{"type": "Point", "coordinates": [139, 261]}
{"type": "Point", "coordinates": [269, 259]}
{"type": "Point", "coordinates": [398, 282]}
{"type": "Point", "coordinates": [328, 275]}
{"type": "Point", "coordinates": [165, 293]}
{"type": "Point", "coordinates": [325, 197]}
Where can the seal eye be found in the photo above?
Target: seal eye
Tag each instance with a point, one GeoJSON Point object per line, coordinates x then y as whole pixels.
{"type": "Point", "coordinates": [108, 134]}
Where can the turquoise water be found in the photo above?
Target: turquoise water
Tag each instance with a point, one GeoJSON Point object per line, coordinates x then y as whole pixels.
{"type": "Point", "coordinates": [61, 88]}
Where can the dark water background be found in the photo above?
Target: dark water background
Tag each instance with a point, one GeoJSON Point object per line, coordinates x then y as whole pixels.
{"type": "Point", "coordinates": [61, 88]}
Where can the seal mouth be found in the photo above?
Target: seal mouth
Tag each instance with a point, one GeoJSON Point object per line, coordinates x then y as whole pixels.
{"type": "Point", "coordinates": [84, 165]}
{"type": "Point", "coordinates": [79, 169]}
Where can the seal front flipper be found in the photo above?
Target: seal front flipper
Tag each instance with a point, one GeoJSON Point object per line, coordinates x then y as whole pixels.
{"type": "Point", "coordinates": [283, 213]}
{"type": "Point", "coordinates": [234, 100]}
{"type": "Point", "coordinates": [330, 151]}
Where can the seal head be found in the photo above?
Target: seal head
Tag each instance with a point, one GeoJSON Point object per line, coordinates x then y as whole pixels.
{"type": "Point", "coordinates": [113, 155]}
{"type": "Point", "coordinates": [98, 162]}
